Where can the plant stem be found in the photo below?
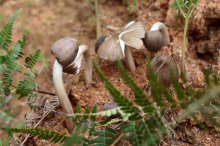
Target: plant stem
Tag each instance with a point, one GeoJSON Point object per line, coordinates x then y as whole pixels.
{"type": "Point", "coordinates": [98, 25]}
{"type": "Point", "coordinates": [129, 59]}
{"type": "Point", "coordinates": [184, 48]}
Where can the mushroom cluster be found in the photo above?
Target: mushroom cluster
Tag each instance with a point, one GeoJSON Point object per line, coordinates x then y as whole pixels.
{"type": "Point", "coordinates": [69, 55]}
{"type": "Point", "coordinates": [155, 40]}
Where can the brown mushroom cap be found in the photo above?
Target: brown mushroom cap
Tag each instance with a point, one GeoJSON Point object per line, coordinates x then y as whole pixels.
{"type": "Point", "coordinates": [163, 66]}
{"type": "Point", "coordinates": [154, 41]}
{"type": "Point", "coordinates": [65, 51]}
{"type": "Point", "coordinates": [157, 38]}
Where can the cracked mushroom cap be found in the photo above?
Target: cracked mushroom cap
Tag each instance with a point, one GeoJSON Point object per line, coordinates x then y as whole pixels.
{"type": "Point", "coordinates": [163, 66]}
{"type": "Point", "coordinates": [157, 38]}
{"type": "Point", "coordinates": [113, 47]}
{"type": "Point", "coordinates": [66, 51]}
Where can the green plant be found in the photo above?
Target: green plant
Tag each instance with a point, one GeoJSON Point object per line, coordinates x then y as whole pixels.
{"type": "Point", "coordinates": [97, 18]}
{"type": "Point", "coordinates": [142, 120]}
{"type": "Point", "coordinates": [11, 66]}
{"type": "Point", "coordinates": [186, 8]}
{"type": "Point", "coordinates": [132, 5]}
{"type": "Point", "coordinates": [94, 5]}
{"type": "Point", "coordinates": [10, 63]}
{"type": "Point", "coordinates": [43, 134]}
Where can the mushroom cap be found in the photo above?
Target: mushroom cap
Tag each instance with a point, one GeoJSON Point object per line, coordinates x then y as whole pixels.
{"type": "Point", "coordinates": [110, 105]}
{"type": "Point", "coordinates": [132, 34]}
{"type": "Point", "coordinates": [154, 41]}
{"type": "Point", "coordinates": [157, 38]}
{"type": "Point", "coordinates": [65, 51]}
{"type": "Point", "coordinates": [113, 47]}
{"type": "Point", "coordinates": [164, 65]}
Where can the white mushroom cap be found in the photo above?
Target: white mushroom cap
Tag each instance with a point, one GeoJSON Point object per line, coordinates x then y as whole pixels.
{"type": "Point", "coordinates": [113, 47]}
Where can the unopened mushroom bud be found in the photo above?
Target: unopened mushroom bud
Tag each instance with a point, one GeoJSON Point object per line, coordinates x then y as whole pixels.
{"type": "Point", "coordinates": [157, 38]}
{"type": "Point", "coordinates": [165, 68]}
{"type": "Point", "coordinates": [119, 45]}
{"type": "Point", "coordinates": [69, 56]}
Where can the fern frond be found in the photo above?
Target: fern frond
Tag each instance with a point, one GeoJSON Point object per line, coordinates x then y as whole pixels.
{"type": "Point", "coordinates": [140, 97]}
{"type": "Point", "coordinates": [155, 86]}
{"type": "Point", "coordinates": [11, 65]}
{"type": "Point", "coordinates": [16, 50]}
{"type": "Point", "coordinates": [2, 59]}
{"type": "Point", "coordinates": [104, 137]}
{"type": "Point", "coordinates": [25, 87]}
{"type": "Point", "coordinates": [196, 106]}
{"type": "Point", "coordinates": [6, 32]}
{"type": "Point", "coordinates": [7, 77]}
{"type": "Point", "coordinates": [31, 60]}
{"type": "Point", "coordinates": [133, 134]}
{"type": "Point", "coordinates": [94, 110]}
{"type": "Point", "coordinates": [74, 139]}
{"type": "Point", "coordinates": [123, 102]}
{"type": "Point", "coordinates": [42, 134]}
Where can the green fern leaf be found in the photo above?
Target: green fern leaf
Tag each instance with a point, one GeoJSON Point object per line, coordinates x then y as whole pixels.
{"type": "Point", "coordinates": [32, 59]}
{"type": "Point", "coordinates": [140, 97]}
{"type": "Point", "coordinates": [123, 102]}
{"type": "Point", "coordinates": [6, 32]}
{"type": "Point", "coordinates": [2, 59]}
{"type": "Point", "coordinates": [180, 93]}
{"type": "Point", "coordinates": [7, 77]}
{"type": "Point", "coordinates": [156, 87]}
{"type": "Point", "coordinates": [16, 50]}
{"type": "Point", "coordinates": [210, 117]}
{"type": "Point", "coordinates": [133, 134]}
{"type": "Point", "coordinates": [105, 137]}
{"type": "Point", "coordinates": [42, 134]}
{"type": "Point", "coordinates": [25, 87]}
{"type": "Point", "coordinates": [11, 65]}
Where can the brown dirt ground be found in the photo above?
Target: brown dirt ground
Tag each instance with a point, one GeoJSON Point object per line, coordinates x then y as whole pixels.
{"type": "Point", "coordinates": [46, 21]}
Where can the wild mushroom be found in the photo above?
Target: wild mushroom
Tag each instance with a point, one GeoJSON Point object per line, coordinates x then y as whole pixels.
{"type": "Point", "coordinates": [118, 46]}
{"type": "Point", "coordinates": [69, 56]}
{"type": "Point", "coordinates": [157, 38]}
{"type": "Point", "coordinates": [164, 67]}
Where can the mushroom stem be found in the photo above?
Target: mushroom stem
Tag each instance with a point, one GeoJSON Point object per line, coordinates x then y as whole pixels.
{"type": "Point", "coordinates": [61, 93]}
{"type": "Point", "coordinates": [129, 59]}
{"type": "Point", "coordinates": [88, 63]}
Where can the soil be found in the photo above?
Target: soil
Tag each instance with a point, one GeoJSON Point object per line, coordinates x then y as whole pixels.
{"type": "Point", "coordinates": [47, 21]}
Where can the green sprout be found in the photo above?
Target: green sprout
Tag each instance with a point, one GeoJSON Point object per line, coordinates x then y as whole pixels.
{"type": "Point", "coordinates": [185, 8]}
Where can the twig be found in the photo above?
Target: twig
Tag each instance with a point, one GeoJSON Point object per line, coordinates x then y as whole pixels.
{"type": "Point", "coordinates": [45, 92]}
{"type": "Point", "coordinates": [117, 139]}
{"type": "Point", "coordinates": [26, 138]}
